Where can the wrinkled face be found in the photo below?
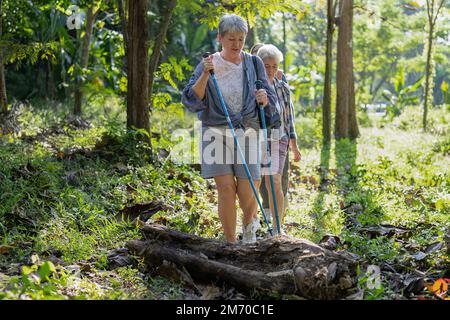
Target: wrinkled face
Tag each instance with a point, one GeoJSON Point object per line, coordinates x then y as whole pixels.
{"type": "Point", "coordinates": [232, 42]}
{"type": "Point", "coordinates": [271, 66]}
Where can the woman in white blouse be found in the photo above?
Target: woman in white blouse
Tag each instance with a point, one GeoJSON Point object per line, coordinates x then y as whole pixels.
{"type": "Point", "coordinates": [236, 77]}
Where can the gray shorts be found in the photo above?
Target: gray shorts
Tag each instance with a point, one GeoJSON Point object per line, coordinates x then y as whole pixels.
{"type": "Point", "coordinates": [220, 156]}
{"type": "Point", "coordinates": [278, 154]}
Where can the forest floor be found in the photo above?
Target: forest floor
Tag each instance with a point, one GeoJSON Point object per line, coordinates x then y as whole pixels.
{"type": "Point", "coordinates": [72, 193]}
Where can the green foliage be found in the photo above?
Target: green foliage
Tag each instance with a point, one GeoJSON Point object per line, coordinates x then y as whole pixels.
{"type": "Point", "coordinates": [40, 281]}
{"type": "Point", "coordinates": [402, 95]}
{"type": "Point", "coordinates": [18, 53]}
{"type": "Point", "coordinates": [211, 12]}
{"type": "Point", "coordinates": [364, 119]}
{"type": "Point", "coordinates": [387, 36]}
{"type": "Point", "coordinates": [309, 132]}
{"type": "Point", "coordinates": [173, 67]}
{"type": "Point", "coordinates": [411, 119]}
{"type": "Point", "coordinates": [445, 92]}
{"type": "Point", "coordinates": [306, 85]}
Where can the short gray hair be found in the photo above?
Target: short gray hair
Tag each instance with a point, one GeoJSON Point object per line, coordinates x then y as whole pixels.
{"type": "Point", "coordinates": [232, 23]}
{"type": "Point", "coordinates": [269, 51]}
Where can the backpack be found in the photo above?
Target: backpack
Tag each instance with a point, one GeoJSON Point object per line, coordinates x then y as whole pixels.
{"type": "Point", "coordinates": [273, 119]}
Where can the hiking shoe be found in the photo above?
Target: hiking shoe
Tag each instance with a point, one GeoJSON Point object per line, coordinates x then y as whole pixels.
{"type": "Point", "coordinates": [256, 225]}
{"type": "Point", "coordinates": [248, 235]}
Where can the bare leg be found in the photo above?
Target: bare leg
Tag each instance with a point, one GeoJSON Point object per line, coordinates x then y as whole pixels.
{"type": "Point", "coordinates": [226, 188]}
{"type": "Point", "coordinates": [247, 200]}
{"type": "Point", "coordinates": [279, 197]}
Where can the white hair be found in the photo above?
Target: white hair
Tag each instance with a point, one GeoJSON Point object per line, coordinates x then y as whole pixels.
{"type": "Point", "coordinates": [232, 23]}
{"type": "Point", "coordinates": [269, 51]}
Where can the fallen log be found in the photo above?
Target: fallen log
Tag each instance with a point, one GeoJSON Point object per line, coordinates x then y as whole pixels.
{"type": "Point", "coordinates": [284, 265]}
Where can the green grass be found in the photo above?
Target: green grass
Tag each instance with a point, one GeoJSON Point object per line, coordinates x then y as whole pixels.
{"type": "Point", "coordinates": [395, 175]}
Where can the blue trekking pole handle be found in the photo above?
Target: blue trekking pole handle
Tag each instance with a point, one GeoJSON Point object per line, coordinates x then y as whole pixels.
{"type": "Point", "coordinates": [244, 162]}
{"type": "Point", "coordinates": [269, 163]}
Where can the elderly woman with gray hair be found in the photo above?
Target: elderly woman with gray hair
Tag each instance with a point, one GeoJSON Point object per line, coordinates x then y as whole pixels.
{"type": "Point", "coordinates": [236, 76]}
{"type": "Point", "coordinates": [280, 139]}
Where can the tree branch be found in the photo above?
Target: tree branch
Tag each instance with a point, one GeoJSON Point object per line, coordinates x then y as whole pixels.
{"type": "Point", "coordinates": [437, 12]}
{"type": "Point", "coordinates": [159, 42]}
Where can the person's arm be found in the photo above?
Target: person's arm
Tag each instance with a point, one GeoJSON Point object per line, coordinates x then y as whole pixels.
{"type": "Point", "coordinates": [292, 133]}
{"type": "Point", "coordinates": [193, 96]}
{"type": "Point", "coordinates": [199, 87]}
{"type": "Point", "coordinates": [295, 150]}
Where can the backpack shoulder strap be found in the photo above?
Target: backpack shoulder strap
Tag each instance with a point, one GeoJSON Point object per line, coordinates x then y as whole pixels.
{"type": "Point", "coordinates": [255, 65]}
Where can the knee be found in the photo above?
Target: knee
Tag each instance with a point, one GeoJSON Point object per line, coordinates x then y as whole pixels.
{"type": "Point", "coordinates": [276, 181]}
{"type": "Point", "coordinates": [226, 188]}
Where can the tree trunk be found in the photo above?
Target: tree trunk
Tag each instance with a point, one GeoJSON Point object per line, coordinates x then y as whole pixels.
{"type": "Point", "coordinates": [52, 86]}
{"type": "Point", "coordinates": [284, 44]}
{"type": "Point", "coordinates": [345, 125]}
{"type": "Point", "coordinates": [154, 61]}
{"type": "Point", "coordinates": [374, 90]}
{"type": "Point", "coordinates": [47, 74]}
{"type": "Point", "coordinates": [326, 107]}
{"type": "Point", "coordinates": [250, 40]}
{"type": "Point", "coordinates": [353, 130]}
{"type": "Point", "coordinates": [427, 76]}
{"type": "Point", "coordinates": [3, 96]}
{"type": "Point", "coordinates": [137, 65]}
{"type": "Point", "coordinates": [123, 22]}
{"type": "Point", "coordinates": [84, 61]}
{"type": "Point", "coordinates": [285, 265]}
{"type": "Point", "coordinates": [432, 14]}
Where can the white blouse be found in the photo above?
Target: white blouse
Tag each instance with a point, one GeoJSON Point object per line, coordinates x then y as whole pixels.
{"type": "Point", "coordinates": [230, 78]}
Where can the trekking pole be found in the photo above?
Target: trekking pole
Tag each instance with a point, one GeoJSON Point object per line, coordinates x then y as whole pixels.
{"type": "Point", "coordinates": [264, 127]}
{"type": "Point", "coordinates": [230, 125]}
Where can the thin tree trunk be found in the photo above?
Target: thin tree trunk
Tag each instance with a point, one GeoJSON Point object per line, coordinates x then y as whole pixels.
{"type": "Point", "coordinates": [251, 36]}
{"type": "Point", "coordinates": [353, 130]}
{"type": "Point", "coordinates": [137, 64]}
{"type": "Point", "coordinates": [326, 107]}
{"type": "Point", "coordinates": [374, 90]}
{"type": "Point", "coordinates": [284, 44]}
{"type": "Point", "coordinates": [123, 22]}
{"type": "Point", "coordinates": [52, 85]}
{"type": "Point", "coordinates": [46, 80]}
{"type": "Point", "coordinates": [90, 20]}
{"type": "Point", "coordinates": [154, 60]}
{"type": "Point", "coordinates": [3, 96]}
{"type": "Point", "coordinates": [432, 18]}
{"type": "Point", "coordinates": [427, 79]}
{"type": "Point", "coordinates": [430, 7]}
